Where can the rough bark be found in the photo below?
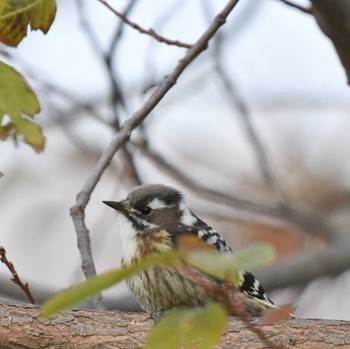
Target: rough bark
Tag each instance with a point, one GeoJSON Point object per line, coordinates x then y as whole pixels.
{"type": "Point", "coordinates": [22, 327]}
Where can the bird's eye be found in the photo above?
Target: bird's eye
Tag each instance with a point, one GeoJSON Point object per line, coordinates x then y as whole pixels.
{"type": "Point", "coordinates": [145, 210]}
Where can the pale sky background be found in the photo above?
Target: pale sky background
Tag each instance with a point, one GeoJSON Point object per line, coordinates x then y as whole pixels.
{"type": "Point", "coordinates": [285, 68]}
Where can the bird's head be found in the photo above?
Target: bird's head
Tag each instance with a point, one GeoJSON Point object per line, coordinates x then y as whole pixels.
{"type": "Point", "coordinates": [152, 206]}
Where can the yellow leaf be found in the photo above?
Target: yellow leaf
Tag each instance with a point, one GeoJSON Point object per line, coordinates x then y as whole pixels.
{"type": "Point", "coordinates": [15, 94]}
{"type": "Point", "coordinates": [17, 15]}
{"type": "Point", "coordinates": [19, 102]}
{"type": "Point", "coordinates": [32, 133]}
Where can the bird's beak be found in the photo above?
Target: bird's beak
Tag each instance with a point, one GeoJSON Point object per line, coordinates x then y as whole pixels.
{"type": "Point", "coordinates": [117, 205]}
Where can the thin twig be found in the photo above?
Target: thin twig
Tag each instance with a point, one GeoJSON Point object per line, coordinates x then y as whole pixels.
{"type": "Point", "coordinates": [160, 23]}
{"type": "Point", "coordinates": [149, 32]}
{"type": "Point", "coordinates": [307, 10]}
{"type": "Point", "coordinates": [238, 103]}
{"type": "Point", "coordinates": [116, 95]}
{"type": "Point", "coordinates": [15, 278]}
{"type": "Point", "coordinates": [120, 30]}
{"type": "Point", "coordinates": [78, 210]}
{"type": "Point", "coordinates": [258, 146]}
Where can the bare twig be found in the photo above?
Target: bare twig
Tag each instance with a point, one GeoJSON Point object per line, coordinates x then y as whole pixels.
{"type": "Point", "coordinates": [15, 278]}
{"type": "Point", "coordinates": [149, 32]}
{"type": "Point", "coordinates": [83, 197]}
{"type": "Point", "coordinates": [116, 95]}
{"type": "Point", "coordinates": [307, 10]}
{"type": "Point", "coordinates": [238, 103]}
{"type": "Point", "coordinates": [120, 30]}
{"type": "Point", "coordinates": [310, 222]}
{"type": "Point", "coordinates": [150, 64]}
{"type": "Point", "coordinates": [258, 146]}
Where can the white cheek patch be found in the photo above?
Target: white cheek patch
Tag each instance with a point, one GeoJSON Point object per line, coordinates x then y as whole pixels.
{"type": "Point", "coordinates": [127, 230]}
{"type": "Point", "coordinates": [128, 239]}
{"type": "Point", "coordinates": [157, 204]}
{"type": "Point", "coordinates": [187, 217]}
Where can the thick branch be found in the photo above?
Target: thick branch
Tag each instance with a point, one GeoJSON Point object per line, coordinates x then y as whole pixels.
{"type": "Point", "coordinates": [302, 269]}
{"type": "Point", "coordinates": [21, 327]}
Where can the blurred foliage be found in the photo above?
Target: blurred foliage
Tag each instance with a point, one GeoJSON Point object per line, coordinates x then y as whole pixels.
{"type": "Point", "coordinates": [225, 265]}
{"type": "Point", "coordinates": [20, 104]}
{"type": "Point", "coordinates": [17, 15]}
{"type": "Point", "coordinates": [17, 99]}
{"type": "Point", "coordinates": [98, 283]}
{"type": "Point", "coordinates": [184, 326]}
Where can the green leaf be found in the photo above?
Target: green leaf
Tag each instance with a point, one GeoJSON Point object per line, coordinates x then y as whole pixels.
{"type": "Point", "coordinates": [17, 15]}
{"type": "Point", "coordinates": [189, 327]}
{"type": "Point", "coordinates": [223, 265]}
{"type": "Point", "coordinates": [32, 132]}
{"type": "Point", "coordinates": [17, 99]}
{"type": "Point", "coordinates": [98, 283]}
{"type": "Point", "coordinates": [15, 94]}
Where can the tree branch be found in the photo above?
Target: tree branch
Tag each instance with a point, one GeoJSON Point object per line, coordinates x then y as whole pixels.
{"type": "Point", "coordinates": [257, 145]}
{"type": "Point", "coordinates": [149, 32]}
{"type": "Point", "coordinates": [15, 278]}
{"type": "Point", "coordinates": [238, 104]}
{"type": "Point", "coordinates": [307, 10]}
{"type": "Point", "coordinates": [304, 268]}
{"type": "Point", "coordinates": [117, 95]}
{"type": "Point", "coordinates": [83, 197]}
{"type": "Point", "coordinates": [22, 327]}
{"type": "Point", "coordinates": [116, 98]}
